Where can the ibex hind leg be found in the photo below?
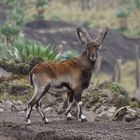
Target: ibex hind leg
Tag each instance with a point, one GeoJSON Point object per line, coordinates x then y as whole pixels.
{"type": "Point", "coordinates": [39, 109]}
{"type": "Point", "coordinates": [38, 105]}
{"type": "Point", "coordinates": [31, 103]}
{"type": "Point", "coordinates": [39, 92]}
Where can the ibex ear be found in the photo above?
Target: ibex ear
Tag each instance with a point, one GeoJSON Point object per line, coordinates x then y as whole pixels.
{"type": "Point", "coordinates": [100, 38]}
{"type": "Point", "coordinates": [83, 31]}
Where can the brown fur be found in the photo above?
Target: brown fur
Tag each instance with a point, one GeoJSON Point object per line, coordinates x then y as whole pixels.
{"type": "Point", "coordinates": [78, 68]}
{"type": "Point", "coordinates": [74, 74]}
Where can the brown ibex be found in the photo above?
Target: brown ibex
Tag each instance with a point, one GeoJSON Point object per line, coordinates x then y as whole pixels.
{"type": "Point", "coordinates": [74, 74]}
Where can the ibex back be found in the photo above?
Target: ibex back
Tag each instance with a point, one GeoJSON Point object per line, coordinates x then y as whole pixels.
{"type": "Point", "coordinates": [74, 74]}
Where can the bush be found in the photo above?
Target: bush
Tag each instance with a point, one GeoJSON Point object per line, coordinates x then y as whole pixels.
{"type": "Point", "coordinates": [137, 3]}
{"type": "Point", "coordinates": [69, 54]}
{"type": "Point", "coordinates": [22, 50]}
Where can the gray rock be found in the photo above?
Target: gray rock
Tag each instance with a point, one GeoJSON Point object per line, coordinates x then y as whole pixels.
{"type": "Point", "coordinates": [138, 113]}
{"type": "Point", "coordinates": [17, 102]}
{"type": "Point", "coordinates": [89, 115]}
{"type": "Point", "coordinates": [106, 113]}
{"type": "Point", "coordinates": [1, 110]}
{"type": "Point", "coordinates": [48, 109]}
{"type": "Point", "coordinates": [4, 73]}
{"type": "Point", "coordinates": [7, 103]}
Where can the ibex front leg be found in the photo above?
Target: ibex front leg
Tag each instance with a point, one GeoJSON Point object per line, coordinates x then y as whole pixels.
{"type": "Point", "coordinates": [78, 93]}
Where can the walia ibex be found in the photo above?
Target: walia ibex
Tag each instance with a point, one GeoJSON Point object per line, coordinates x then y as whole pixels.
{"type": "Point", "coordinates": [73, 74]}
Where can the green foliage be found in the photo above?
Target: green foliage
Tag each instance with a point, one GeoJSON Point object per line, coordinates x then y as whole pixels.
{"type": "Point", "coordinates": [10, 3]}
{"type": "Point", "coordinates": [117, 89]}
{"type": "Point", "coordinates": [23, 49]}
{"type": "Point", "coordinates": [18, 48]}
{"type": "Point", "coordinates": [40, 8]}
{"type": "Point", "coordinates": [17, 16]}
{"type": "Point", "coordinates": [9, 32]}
{"type": "Point", "coordinates": [135, 104]}
{"type": "Point", "coordinates": [122, 14]}
{"type": "Point", "coordinates": [138, 32]}
{"type": "Point", "coordinates": [86, 23]}
{"type": "Point", "coordinates": [40, 3]}
{"type": "Point", "coordinates": [15, 21]}
{"type": "Point", "coordinates": [137, 4]}
{"type": "Point", "coordinates": [69, 54]}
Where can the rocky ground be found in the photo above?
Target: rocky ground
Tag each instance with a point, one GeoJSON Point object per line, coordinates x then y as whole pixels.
{"type": "Point", "coordinates": [110, 114]}
{"type": "Point", "coordinates": [13, 127]}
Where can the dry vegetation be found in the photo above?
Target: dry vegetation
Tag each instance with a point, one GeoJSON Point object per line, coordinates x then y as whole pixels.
{"type": "Point", "coordinates": [103, 12]}
{"type": "Point", "coordinates": [127, 77]}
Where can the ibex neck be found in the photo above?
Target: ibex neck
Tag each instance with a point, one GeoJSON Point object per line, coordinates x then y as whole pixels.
{"type": "Point", "coordinates": [86, 62]}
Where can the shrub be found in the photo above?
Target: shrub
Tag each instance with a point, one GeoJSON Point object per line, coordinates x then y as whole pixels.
{"type": "Point", "coordinates": [69, 54]}
{"type": "Point", "coordinates": [137, 4]}
{"type": "Point", "coordinates": [123, 15]}
{"type": "Point", "coordinates": [22, 50]}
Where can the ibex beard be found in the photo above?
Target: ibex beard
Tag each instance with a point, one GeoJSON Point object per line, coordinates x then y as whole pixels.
{"type": "Point", "coordinates": [74, 74]}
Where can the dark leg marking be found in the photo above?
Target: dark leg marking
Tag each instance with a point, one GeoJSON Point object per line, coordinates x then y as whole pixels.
{"type": "Point", "coordinates": [70, 95]}
{"type": "Point", "coordinates": [78, 93]}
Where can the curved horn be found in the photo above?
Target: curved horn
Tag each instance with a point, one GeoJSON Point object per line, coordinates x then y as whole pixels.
{"type": "Point", "coordinates": [100, 38]}
{"type": "Point", "coordinates": [82, 30]}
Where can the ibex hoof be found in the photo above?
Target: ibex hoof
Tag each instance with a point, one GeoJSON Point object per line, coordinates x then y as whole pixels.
{"type": "Point", "coordinates": [82, 118]}
{"type": "Point", "coordinates": [69, 117]}
{"type": "Point", "coordinates": [46, 121]}
{"type": "Point", "coordinates": [28, 121]}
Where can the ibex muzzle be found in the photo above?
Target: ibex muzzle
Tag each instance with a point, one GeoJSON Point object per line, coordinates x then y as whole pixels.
{"type": "Point", "coordinates": [74, 74]}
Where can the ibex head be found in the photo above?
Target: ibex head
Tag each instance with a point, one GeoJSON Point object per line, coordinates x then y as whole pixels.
{"type": "Point", "coordinates": [92, 45]}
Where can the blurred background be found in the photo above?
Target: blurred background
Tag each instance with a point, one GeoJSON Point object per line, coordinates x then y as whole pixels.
{"type": "Point", "coordinates": [120, 15]}
{"type": "Point", "coordinates": [41, 30]}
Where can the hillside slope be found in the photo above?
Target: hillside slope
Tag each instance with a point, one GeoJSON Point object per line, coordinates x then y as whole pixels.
{"type": "Point", "coordinates": [57, 33]}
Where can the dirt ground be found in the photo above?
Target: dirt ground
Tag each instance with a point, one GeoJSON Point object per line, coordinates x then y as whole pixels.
{"type": "Point", "coordinates": [13, 127]}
